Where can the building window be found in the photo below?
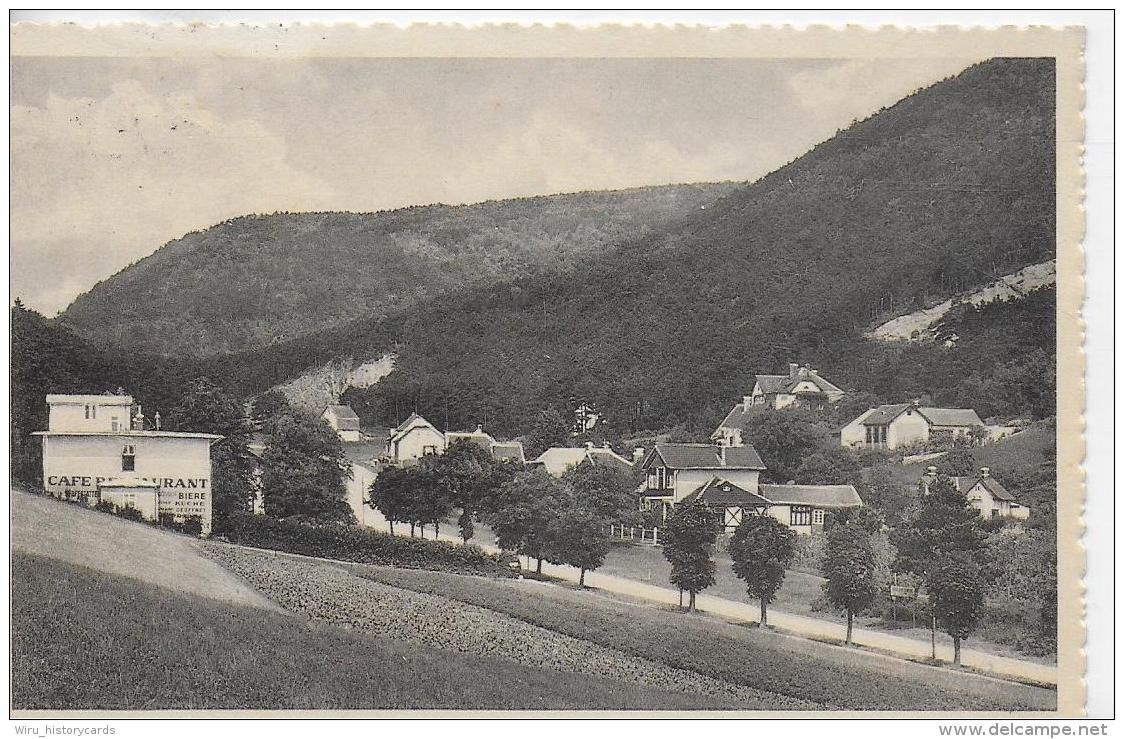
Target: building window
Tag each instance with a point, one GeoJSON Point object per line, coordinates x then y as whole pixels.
{"type": "Point", "coordinates": [91, 412]}
{"type": "Point", "coordinates": [817, 517]}
{"type": "Point", "coordinates": [128, 458]}
{"type": "Point", "coordinates": [427, 450]}
{"type": "Point", "coordinates": [801, 515]}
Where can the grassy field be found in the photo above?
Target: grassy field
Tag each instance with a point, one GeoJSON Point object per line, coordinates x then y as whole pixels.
{"type": "Point", "coordinates": [795, 667]}
{"type": "Point", "coordinates": [790, 668]}
{"type": "Point", "coordinates": [83, 639]}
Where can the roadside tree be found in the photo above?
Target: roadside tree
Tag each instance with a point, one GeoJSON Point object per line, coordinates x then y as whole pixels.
{"type": "Point", "coordinates": [956, 587]}
{"type": "Point", "coordinates": [522, 511]}
{"type": "Point", "coordinates": [689, 537]}
{"type": "Point", "coordinates": [577, 537]}
{"type": "Point", "coordinates": [304, 469]}
{"type": "Point", "coordinates": [762, 547]}
{"type": "Point", "coordinates": [850, 569]}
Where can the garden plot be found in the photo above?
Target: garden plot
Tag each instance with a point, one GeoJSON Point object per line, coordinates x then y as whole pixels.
{"type": "Point", "coordinates": [329, 592]}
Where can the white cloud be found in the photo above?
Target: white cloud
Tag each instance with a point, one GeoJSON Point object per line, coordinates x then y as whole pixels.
{"type": "Point", "coordinates": [93, 180]}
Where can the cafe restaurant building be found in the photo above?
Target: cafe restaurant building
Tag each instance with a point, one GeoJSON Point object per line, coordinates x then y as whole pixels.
{"type": "Point", "coordinates": [102, 448]}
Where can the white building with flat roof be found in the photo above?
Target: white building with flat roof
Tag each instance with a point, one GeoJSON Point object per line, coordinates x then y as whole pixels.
{"type": "Point", "coordinates": [100, 447]}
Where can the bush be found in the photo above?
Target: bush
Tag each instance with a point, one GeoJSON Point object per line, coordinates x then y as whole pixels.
{"type": "Point", "coordinates": [126, 511]}
{"type": "Point", "coordinates": [358, 544]}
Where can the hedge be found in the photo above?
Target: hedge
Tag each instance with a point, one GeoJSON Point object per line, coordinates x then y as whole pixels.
{"type": "Point", "coordinates": [358, 544]}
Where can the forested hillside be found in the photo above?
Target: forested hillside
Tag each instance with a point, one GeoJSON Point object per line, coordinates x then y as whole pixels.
{"type": "Point", "coordinates": [259, 279]}
{"type": "Point", "coordinates": [947, 189]}
{"type": "Point", "coordinates": [48, 358]}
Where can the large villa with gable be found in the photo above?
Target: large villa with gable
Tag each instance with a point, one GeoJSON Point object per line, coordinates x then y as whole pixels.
{"type": "Point", "coordinates": [727, 478]}
{"type": "Point", "coordinates": [901, 424]}
{"type": "Point", "coordinates": [801, 387]}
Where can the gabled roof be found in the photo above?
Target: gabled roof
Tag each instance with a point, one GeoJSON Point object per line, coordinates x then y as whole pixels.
{"type": "Point", "coordinates": [736, 418]}
{"type": "Point", "coordinates": [705, 457]}
{"type": "Point", "coordinates": [346, 419]}
{"type": "Point", "coordinates": [952, 416]}
{"type": "Point", "coordinates": [508, 451]}
{"type": "Point", "coordinates": [883, 414]}
{"type": "Point", "coordinates": [363, 451]}
{"type": "Point", "coordinates": [772, 383]}
{"type": "Point", "coordinates": [414, 421]}
{"type": "Point", "coordinates": [558, 459]}
{"type": "Point", "coordinates": [964, 484]}
{"type": "Point", "coordinates": [478, 436]}
{"type": "Point", "coordinates": [786, 383]}
{"type": "Point", "coordinates": [725, 494]}
{"type": "Point", "coordinates": [817, 496]}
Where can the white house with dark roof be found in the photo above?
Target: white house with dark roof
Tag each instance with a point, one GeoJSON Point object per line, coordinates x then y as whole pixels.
{"type": "Point", "coordinates": [803, 508]}
{"type": "Point", "coordinates": [413, 439]}
{"type": "Point", "coordinates": [799, 387]}
{"type": "Point", "coordinates": [984, 493]}
{"type": "Point", "coordinates": [343, 421]}
{"type": "Point", "coordinates": [901, 424]}
{"type": "Point", "coordinates": [557, 460]}
{"type": "Point", "coordinates": [674, 471]}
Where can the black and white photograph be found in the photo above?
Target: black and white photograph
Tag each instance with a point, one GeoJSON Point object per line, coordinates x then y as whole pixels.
{"type": "Point", "coordinates": [369, 372]}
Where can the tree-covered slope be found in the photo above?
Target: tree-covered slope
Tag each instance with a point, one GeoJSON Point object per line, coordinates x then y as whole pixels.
{"type": "Point", "coordinates": [257, 279]}
{"type": "Point", "coordinates": [947, 189]}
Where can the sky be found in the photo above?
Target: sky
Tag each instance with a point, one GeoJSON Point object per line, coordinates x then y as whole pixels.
{"type": "Point", "coordinates": [113, 157]}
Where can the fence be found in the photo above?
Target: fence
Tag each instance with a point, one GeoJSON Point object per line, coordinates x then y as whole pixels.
{"type": "Point", "coordinates": [637, 534]}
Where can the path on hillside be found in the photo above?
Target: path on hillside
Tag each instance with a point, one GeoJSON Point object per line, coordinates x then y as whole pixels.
{"type": "Point", "coordinates": [71, 533]}
{"type": "Point", "coordinates": [801, 625]}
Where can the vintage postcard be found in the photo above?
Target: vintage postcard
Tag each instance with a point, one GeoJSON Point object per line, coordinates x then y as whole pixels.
{"type": "Point", "coordinates": [380, 371]}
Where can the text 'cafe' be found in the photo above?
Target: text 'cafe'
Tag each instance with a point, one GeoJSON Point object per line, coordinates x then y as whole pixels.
{"type": "Point", "coordinates": [101, 448]}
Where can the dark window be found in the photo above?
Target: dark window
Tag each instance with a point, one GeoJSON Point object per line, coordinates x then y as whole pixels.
{"type": "Point", "coordinates": [801, 515]}
{"type": "Point", "coordinates": [128, 458]}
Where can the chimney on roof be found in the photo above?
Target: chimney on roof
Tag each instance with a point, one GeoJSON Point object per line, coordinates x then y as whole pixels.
{"type": "Point", "coordinates": [813, 372]}
{"type": "Point", "coordinates": [985, 472]}
{"type": "Point", "coordinates": [479, 428]}
{"type": "Point", "coordinates": [793, 370]}
{"type": "Point", "coordinates": [589, 445]}
{"type": "Point", "coordinates": [637, 454]}
{"type": "Point", "coordinates": [747, 401]}
{"type": "Point", "coordinates": [931, 470]}
{"type": "Point", "coordinates": [722, 453]}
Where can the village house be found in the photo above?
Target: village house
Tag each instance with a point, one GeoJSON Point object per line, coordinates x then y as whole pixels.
{"type": "Point", "coordinates": [501, 451]}
{"type": "Point", "coordinates": [800, 387]}
{"type": "Point", "coordinates": [102, 448]}
{"type": "Point", "coordinates": [902, 424]}
{"type": "Point", "coordinates": [727, 478]}
{"type": "Point", "coordinates": [557, 460]}
{"type": "Point", "coordinates": [343, 421]}
{"type": "Point", "coordinates": [674, 471]}
{"type": "Point", "coordinates": [413, 439]}
{"type": "Point", "coordinates": [984, 493]}
{"type": "Point", "coordinates": [803, 508]}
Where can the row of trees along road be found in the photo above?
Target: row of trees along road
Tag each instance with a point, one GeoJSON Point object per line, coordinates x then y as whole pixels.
{"type": "Point", "coordinates": [561, 521]}
{"type": "Point", "coordinates": [944, 544]}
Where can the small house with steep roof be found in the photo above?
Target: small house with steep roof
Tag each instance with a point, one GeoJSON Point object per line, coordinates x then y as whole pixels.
{"type": "Point", "coordinates": [343, 421]}
{"type": "Point", "coordinates": [413, 439]}
{"type": "Point", "coordinates": [984, 493]}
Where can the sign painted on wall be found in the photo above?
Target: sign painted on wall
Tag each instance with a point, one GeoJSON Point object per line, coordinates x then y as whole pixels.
{"type": "Point", "coordinates": [185, 503]}
{"type": "Point", "coordinates": [60, 483]}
